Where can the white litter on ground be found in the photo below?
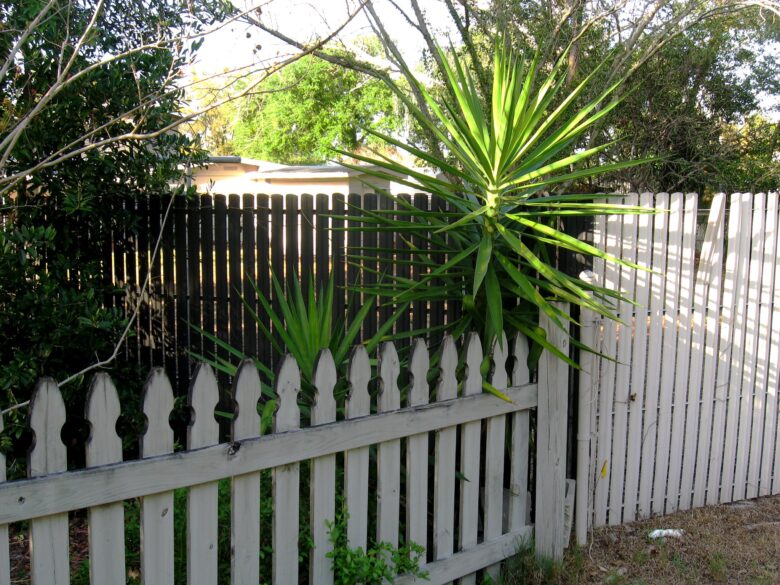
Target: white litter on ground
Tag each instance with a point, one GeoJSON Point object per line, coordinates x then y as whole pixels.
{"type": "Point", "coordinates": [666, 533]}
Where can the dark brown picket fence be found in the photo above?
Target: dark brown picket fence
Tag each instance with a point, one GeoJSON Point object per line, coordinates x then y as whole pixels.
{"type": "Point", "coordinates": [213, 247]}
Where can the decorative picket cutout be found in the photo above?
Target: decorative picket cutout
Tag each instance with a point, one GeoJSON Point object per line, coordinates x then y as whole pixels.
{"type": "Point", "coordinates": [245, 489]}
{"type": "Point", "coordinates": [356, 460]}
{"type": "Point", "coordinates": [417, 451]}
{"type": "Point", "coordinates": [470, 454]}
{"type": "Point", "coordinates": [444, 470]}
{"type": "Point", "coordinates": [323, 472]}
{"type": "Point", "coordinates": [157, 509]}
{"type": "Point", "coordinates": [106, 523]}
{"type": "Point", "coordinates": [388, 453]}
{"type": "Point", "coordinates": [202, 499]}
{"type": "Point", "coordinates": [495, 434]}
{"type": "Point", "coordinates": [286, 479]}
{"type": "Point", "coordinates": [49, 535]}
{"type": "Point", "coordinates": [550, 537]}
{"type": "Point", "coordinates": [518, 482]}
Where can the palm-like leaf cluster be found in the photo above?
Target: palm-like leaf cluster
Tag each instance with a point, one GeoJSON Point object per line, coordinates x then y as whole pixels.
{"type": "Point", "coordinates": [501, 231]}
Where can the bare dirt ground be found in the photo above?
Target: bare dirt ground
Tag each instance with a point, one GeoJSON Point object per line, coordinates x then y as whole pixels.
{"type": "Point", "coordinates": [735, 544]}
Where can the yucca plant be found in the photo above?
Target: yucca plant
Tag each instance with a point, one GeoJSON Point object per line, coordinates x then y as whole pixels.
{"type": "Point", "coordinates": [304, 325]}
{"type": "Point", "coordinates": [501, 230]}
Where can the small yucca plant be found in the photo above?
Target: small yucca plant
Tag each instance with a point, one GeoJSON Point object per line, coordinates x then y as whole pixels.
{"type": "Point", "coordinates": [502, 226]}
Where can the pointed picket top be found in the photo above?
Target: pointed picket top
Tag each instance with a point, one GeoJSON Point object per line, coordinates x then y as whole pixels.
{"type": "Point", "coordinates": [246, 394]}
{"type": "Point", "coordinates": [359, 400]}
{"type": "Point", "coordinates": [499, 356]}
{"type": "Point", "coordinates": [325, 375]}
{"type": "Point", "coordinates": [104, 445]}
{"type": "Point", "coordinates": [47, 417]}
{"type": "Point", "coordinates": [447, 385]}
{"type": "Point", "coordinates": [418, 368]}
{"type": "Point", "coordinates": [157, 407]}
{"type": "Point", "coordinates": [288, 384]}
{"type": "Point", "coordinates": [472, 383]}
{"type": "Point", "coordinates": [520, 373]}
{"type": "Point", "coordinates": [203, 399]}
{"type": "Point", "coordinates": [389, 369]}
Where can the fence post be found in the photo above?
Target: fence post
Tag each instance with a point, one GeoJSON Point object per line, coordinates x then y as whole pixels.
{"type": "Point", "coordinates": [551, 443]}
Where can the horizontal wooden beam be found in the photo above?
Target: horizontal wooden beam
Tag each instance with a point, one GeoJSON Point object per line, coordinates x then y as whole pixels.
{"type": "Point", "coordinates": [73, 490]}
{"type": "Point", "coordinates": [472, 560]}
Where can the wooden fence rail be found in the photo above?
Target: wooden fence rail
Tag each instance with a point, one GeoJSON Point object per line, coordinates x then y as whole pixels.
{"type": "Point", "coordinates": [688, 414]}
{"type": "Point", "coordinates": [455, 513]}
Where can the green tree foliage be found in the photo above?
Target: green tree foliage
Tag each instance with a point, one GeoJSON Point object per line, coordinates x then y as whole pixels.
{"type": "Point", "coordinates": [83, 83]}
{"type": "Point", "coordinates": [309, 108]}
{"type": "Point", "coordinates": [697, 74]}
{"type": "Point", "coordinates": [696, 103]}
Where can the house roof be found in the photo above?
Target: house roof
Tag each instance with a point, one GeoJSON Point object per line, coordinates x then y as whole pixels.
{"type": "Point", "coordinates": [270, 170]}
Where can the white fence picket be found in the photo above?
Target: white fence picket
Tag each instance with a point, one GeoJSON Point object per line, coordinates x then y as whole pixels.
{"type": "Point", "coordinates": [636, 398]}
{"type": "Point", "coordinates": [654, 350]}
{"type": "Point", "coordinates": [704, 340]}
{"type": "Point", "coordinates": [623, 389]}
{"type": "Point", "coordinates": [444, 466]}
{"type": "Point", "coordinates": [754, 377]}
{"type": "Point", "coordinates": [107, 482]}
{"type": "Point", "coordinates": [323, 474]}
{"type": "Point", "coordinates": [550, 538]}
{"type": "Point", "coordinates": [518, 475]}
{"type": "Point", "coordinates": [668, 354]}
{"type": "Point", "coordinates": [5, 557]}
{"type": "Point", "coordinates": [683, 394]}
{"type": "Point", "coordinates": [286, 480]}
{"type": "Point", "coordinates": [495, 435]}
{"type": "Point", "coordinates": [470, 440]}
{"type": "Point", "coordinates": [728, 489]}
{"type": "Point", "coordinates": [106, 523]}
{"type": "Point", "coordinates": [417, 451]}
{"type": "Point", "coordinates": [612, 232]}
{"type": "Point", "coordinates": [774, 367]}
{"type": "Point", "coordinates": [388, 453]}
{"type": "Point", "coordinates": [49, 535]}
{"type": "Point", "coordinates": [157, 510]}
{"type": "Point", "coordinates": [356, 460]}
{"type": "Point", "coordinates": [202, 499]}
{"type": "Point", "coordinates": [245, 489]}
{"type": "Point", "coordinates": [771, 283]}
{"type": "Point", "coordinates": [726, 332]}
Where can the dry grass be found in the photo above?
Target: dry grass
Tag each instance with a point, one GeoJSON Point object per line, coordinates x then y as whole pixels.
{"type": "Point", "coordinates": [733, 544]}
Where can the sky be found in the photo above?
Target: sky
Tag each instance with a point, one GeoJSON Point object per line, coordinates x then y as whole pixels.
{"type": "Point", "coordinates": [235, 44]}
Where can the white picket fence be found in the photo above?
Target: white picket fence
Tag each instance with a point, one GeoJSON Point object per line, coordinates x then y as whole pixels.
{"type": "Point", "coordinates": [688, 414]}
{"type": "Point", "coordinates": [461, 426]}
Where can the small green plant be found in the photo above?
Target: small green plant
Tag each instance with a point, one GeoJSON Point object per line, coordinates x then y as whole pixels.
{"type": "Point", "coordinates": [718, 567]}
{"type": "Point", "coordinates": [304, 325]}
{"type": "Point", "coordinates": [379, 564]}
